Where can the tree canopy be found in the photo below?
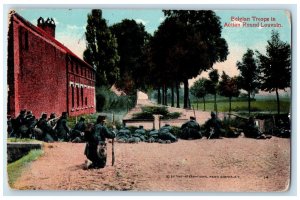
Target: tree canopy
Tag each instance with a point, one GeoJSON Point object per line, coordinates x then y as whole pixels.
{"type": "Point", "coordinates": [101, 49]}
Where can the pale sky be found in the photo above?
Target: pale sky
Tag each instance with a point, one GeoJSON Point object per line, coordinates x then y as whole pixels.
{"type": "Point", "coordinates": [71, 23]}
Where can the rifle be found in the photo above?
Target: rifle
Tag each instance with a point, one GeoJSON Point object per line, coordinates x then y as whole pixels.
{"type": "Point", "coordinates": [238, 116]}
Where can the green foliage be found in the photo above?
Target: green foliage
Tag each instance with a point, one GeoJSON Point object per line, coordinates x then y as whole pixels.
{"type": "Point", "coordinates": [101, 49]}
{"type": "Point", "coordinates": [199, 89]}
{"type": "Point", "coordinates": [106, 100]}
{"type": "Point", "coordinates": [275, 66]}
{"type": "Point", "coordinates": [257, 106]}
{"type": "Point", "coordinates": [149, 111]}
{"type": "Point", "coordinates": [28, 140]}
{"type": "Point", "coordinates": [16, 168]}
{"type": "Point", "coordinates": [131, 38]}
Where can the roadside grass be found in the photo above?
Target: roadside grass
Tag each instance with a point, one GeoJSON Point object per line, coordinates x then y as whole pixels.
{"type": "Point", "coordinates": [242, 106]}
{"type": "Point", "coordinates": [21, 140]}
{"type": "Point", "coordinates": [15, 169]}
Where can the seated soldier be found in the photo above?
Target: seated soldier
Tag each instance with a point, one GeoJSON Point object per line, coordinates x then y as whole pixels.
{"type": "Point", "coordinates": [62, 128]}
{"type": "Point", "coordinates": [95, 149]}
{"type": "Point", "coordinates": [19, 124]}
{"type": "Point", "coordinates": [213, 127]}
{"type": "Point", "coordinates": [47, 131]}
{"type": "Point", "coordinates": [190, 130]}
{"type": "Point", "coordinates": [52, 120]}
{"type": "Point", "coordinates": [123, 135]}
{"type": "Point", "coordinates": [77, 134]}
{"type": "Point", "coordinates": [31, 122]}
{"type": "Point", "coordinates": [165, 134]}
{"type": "Point", "coordinates": [251, 130]}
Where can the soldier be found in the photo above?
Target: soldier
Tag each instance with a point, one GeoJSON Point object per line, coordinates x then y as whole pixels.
{"type": "Point", "coordinates": [10, 130]}
{"type": "Point", "coordinates": [62, 128]}
{"type": "Point", "coordinates": [165, 134]}
{"type": "Point", "coordinates": [153, 136]}
{"type": "Point", "coordinates": [52, 120]}
{"type": "Point", "coordinates": [19, 124]}
{"type": "Point", "coordinates": [252, 131]}
{"type": "Point", "coordinates": [191, 129]}
{"type": "Point", "coordinates": [213, 127]}
{"type": "Point", "coordinates": [31, 122]}
{"type": "Point", "coordinates": [47, 131]}
{"type": "Point", "coordinates": [95, 149]}
{"type": "Point", "coordinates": [123, 135]}
{"type": "Point", "coordinates": [139, 135]}
{"type": "Point", "coordinates": [77, 134]}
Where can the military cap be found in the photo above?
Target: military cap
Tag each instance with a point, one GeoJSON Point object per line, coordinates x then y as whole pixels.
{"type": "Point", "coordinates": [101, 118]}
{"type": "Point", "coordinates": [192, 118]}
{"type": "Point", "coordinates": [141, 126]}
{"type": "Point", "coordinates": [44, 115]}
{"type": "Point", "coordinates": [213, 113]}
{"type": "Point", "coordinates": [81, 119]}
{"type": "Point", "coordinates": [23, 111]}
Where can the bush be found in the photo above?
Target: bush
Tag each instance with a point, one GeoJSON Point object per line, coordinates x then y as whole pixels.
{"type": "Point", "coordinates": [149, 111]}
{"type": "Point", "coordinates": [106, 100]}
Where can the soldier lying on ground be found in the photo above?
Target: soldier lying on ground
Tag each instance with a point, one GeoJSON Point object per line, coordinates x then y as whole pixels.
{"type": "Point", "coordinates": [139, 135]}
{"type": "Point", "coordinates": [95, 149]}
{"type": "Point", "coordinates": [190, 130]}
{"type": "Point", "coordinates": [123, 135]}
{"type": "Point", "coordinates": [213, 127]}
{"type": "Point", "coordinates": [165, 134]}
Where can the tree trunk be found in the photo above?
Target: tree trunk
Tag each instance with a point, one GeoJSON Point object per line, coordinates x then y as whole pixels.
{"type": "Point", "coordinates": [163, 95]}
{"type": "Point", "coordinates": [229, 104]}
{"type": "Point", "coordinates": [249, 99]}
{"type": "Point", "coordinates": [204, 103]}
{"type": "Point", "coordinates": [158, 96]}
{"type": "Point", "coordinates": [197, 103]}
{"type": "Point", "coordinates": [177, 95]}
{"type": "Point", "coordinates": [278, 102]}
{"type": "Point", "coordinates": [166, 95]}
{"type": "Point", "coordinates": [186, 93]}
{"type": "Point", "coordinates": [215, 106]}
{"type": "Point", "coordinates": [172, 95]}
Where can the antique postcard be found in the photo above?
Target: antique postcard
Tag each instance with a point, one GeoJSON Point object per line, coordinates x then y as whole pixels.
{"type": "Point", "coordinates": [149, 100]}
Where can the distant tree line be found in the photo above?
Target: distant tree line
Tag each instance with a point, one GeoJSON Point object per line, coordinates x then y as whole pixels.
{"type": "Point", "coordinates": [270, 72]}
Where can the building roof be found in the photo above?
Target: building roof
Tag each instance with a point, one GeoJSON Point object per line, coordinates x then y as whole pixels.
{"type": "Point", "coordinates": [47, 36]}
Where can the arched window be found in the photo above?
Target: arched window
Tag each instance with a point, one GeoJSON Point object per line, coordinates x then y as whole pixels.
{"type": "Point", "coordinates": [72, 96]}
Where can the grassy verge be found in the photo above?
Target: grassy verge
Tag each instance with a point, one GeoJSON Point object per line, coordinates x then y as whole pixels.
{"type": "Point", "coordinates": [239, 106]}
{"type": "Point", "coordinates": [21, 140]}
{"type": "Point", "coordinates": [16, 168]}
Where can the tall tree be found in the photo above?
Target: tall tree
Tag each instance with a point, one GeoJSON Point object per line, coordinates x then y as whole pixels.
{"type": "Point", "coordinates": [275, 66]}
{"type": "Point", "coordinates": [228, 87]}
{"type": "Point", "coordinates": [249, 75]}
{"type": "Point", "coordinates": [199, 90]}
{"type": "Point", "coordinates": [101, 49]}
{"type": "Point", "coordinates": [212, 85]}
{"type": "Point", "coordinates": [132, 38]}
{"type": "Point", "coordinates": [200, 47]}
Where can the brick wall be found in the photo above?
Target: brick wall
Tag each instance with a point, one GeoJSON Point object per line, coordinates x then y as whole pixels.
{"type": "Point", "coordinates": [38, 78]}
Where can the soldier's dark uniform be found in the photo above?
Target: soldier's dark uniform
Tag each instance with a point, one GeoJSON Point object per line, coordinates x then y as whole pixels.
{"type": "Point", "coordinates": [139, 135]}
{"type": "Point", "coordinates": [190, 130]}
{"type": "Point", "coordinates": [153, 136]}
{"type": "Point", "coordinates": [95, 149]}
{"type": "Point", "coordinates": [252, 131]}
{"type": "Point", "coordinates": [165, 133]}
{"type": "Point", "coordinates": [47, 130]}
{"type": "Point", "coordinates": [213, 127]}
{"type": "Point", "coordinates": [123, 135]}
{"type": "Point", "coordinates": [76, 133]}
{"type": "Point", "coordinates": [31, 122]}
{"type": "Point", "coordinates": [62, 129]}
{"type": "Point", "coordinates": [19, 124]}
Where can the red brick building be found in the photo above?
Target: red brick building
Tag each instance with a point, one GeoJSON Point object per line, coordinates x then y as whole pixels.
{"type": "Point", "coordinates": [43, 74]}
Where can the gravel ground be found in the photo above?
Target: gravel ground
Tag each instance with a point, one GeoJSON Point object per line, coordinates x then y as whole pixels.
{"type": "Point", "coordinates": [235, 165]}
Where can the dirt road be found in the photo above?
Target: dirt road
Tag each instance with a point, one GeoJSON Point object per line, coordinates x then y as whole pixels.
{"type": "Point", "coordinates": [240, 164]}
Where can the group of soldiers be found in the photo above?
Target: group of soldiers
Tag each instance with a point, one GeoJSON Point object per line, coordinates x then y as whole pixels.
{"type": "Point", "coordinates": [25, 125]}
{"type": "Point", "coordinates": [57, 129]}
{"type": "Point", "coordinates": [164, 135]}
